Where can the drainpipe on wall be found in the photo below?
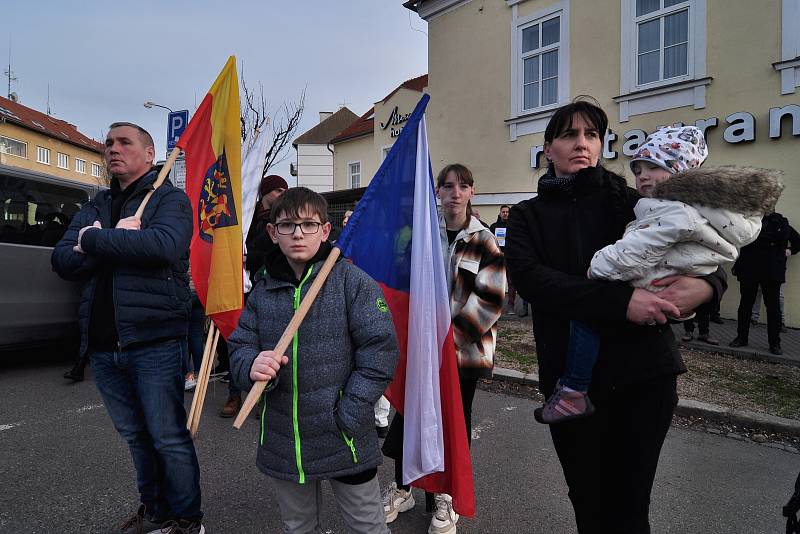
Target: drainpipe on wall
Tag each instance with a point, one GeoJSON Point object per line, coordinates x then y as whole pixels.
{"type": "Point", "coordinates": [333, 170]}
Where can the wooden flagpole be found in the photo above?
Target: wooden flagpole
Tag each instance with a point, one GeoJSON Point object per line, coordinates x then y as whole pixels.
{"type": "Point", "coordinates": [202, 385]}
{"type": "Point", "coordinates": [288, 334]}
{"type": "Point", "coordinates": [204, 370]}
{"type": "Point", "coordinates": [162, 175]}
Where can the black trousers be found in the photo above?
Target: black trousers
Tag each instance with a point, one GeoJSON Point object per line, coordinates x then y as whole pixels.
{"type": "Point", "coordinates": [701, 317]}
{"type": "Point", "coordinates": [771, 292]}
{"type": "Point", "coordinates": [610, 459]}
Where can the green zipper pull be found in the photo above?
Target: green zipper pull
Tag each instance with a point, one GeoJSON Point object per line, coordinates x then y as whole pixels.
{"type": "Point", "coordinates": [349, 441]}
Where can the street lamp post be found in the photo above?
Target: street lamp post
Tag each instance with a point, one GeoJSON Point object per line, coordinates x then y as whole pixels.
{"type": "Point", "coordinates": [150, 105]}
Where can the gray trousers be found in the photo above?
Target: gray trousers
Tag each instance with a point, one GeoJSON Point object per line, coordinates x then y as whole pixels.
{"type": "Point", "coordinates": [360, 506]}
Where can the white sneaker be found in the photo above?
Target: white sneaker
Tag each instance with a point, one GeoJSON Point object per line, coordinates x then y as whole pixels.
{"type": "Point", "coordinates": [444, 517]}
{"type": "Point", "coordinates": [396, 500]}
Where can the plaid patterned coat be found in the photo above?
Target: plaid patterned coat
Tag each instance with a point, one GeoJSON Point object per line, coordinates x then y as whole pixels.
{"type": "Point", "coordinates": [476, 280]}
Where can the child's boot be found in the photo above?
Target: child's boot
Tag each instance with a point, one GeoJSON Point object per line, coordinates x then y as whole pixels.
{"type": "Point", "coordinates": [564, 404]}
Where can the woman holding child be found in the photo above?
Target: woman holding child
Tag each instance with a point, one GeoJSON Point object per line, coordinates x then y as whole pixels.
{"type": "Point", "coordinates": [609, 459]}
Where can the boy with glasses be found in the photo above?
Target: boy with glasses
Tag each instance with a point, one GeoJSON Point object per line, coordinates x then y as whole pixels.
{"type": "Point", "coordinates": [317, 414]}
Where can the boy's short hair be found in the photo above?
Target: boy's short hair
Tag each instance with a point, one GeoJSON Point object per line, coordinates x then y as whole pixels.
{"type": "Point", "coordinates": [297, 198]}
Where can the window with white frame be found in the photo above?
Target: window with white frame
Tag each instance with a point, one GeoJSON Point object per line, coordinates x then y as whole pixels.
{"type": "Point", "coordinates": [540, 63]}
{"type": "Point", "coordinates": [540, 49]}
{"type": "Point", "coordinates": [662, 56]}
{"type": "Point", "coordinates": [63, 161]}
{"type": "Point", "coordinates": [13, 147]}
{"type": "Point", "coordinates": [97, 170]}
{"type": "Point", "coordinates": [354, 172]}
{"type": "Point", "coordinates": [43, 155]}
{"type": "Point", "coordinates": [80, 166]}
{"type": "Point", "coordinates": [789, 65]}
{"type": "Point", "coordinates": [662, 40]}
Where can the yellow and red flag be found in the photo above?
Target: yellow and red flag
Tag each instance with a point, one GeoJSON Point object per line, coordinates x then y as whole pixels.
{"type": "Point", "coordinates": [213, 145]}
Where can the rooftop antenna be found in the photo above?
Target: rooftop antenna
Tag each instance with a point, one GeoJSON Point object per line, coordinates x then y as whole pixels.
{"type": "Point", "coordinates": [48, 98]}
{"type": "Point", "coordinates": [9, 73]}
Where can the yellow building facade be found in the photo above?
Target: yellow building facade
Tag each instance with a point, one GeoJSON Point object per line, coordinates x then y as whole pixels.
{"type": "Point", "coordinates": [35, 141]}
{"type": "Point", "coordinates": [360, 149]}
{"type": "Point", "coordinates": [498, 69]}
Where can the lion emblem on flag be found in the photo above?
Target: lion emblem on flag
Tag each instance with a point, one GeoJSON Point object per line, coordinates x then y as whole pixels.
{"type": "Point", "coordinates": [217, 207]}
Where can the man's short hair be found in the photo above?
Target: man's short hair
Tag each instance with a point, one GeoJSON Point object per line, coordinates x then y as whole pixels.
{"type": "Point", "coordinates": [144, 135]}
{"type": "Point", "coordinates": [297, 199]}
{"type": "Point", "coordinates": [505, 206]}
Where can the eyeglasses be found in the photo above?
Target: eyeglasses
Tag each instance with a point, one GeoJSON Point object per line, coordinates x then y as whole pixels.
{"type": "Point", "coordinates": [289, 228]}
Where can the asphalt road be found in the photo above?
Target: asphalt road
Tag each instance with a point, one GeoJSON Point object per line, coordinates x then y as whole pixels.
{"type": "Point", "coordinates": [64, 469]}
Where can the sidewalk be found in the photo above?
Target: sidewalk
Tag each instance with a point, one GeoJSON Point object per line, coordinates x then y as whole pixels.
{"type": "Point", "coordinates": [687, 407]}
{"type": "Point", "coordinates": [758, 349]}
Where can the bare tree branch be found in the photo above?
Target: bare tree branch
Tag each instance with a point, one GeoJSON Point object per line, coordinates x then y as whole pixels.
{"type": "Point", "coordinates": [284, 122]}
{"type": "Point", "coordinates": [284, 128]}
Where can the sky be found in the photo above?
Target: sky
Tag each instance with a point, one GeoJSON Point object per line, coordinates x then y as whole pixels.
{"type": "Point", "coordinates": [103, 60]}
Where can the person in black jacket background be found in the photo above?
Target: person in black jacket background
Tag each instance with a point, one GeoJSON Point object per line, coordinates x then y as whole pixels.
{"type": "Point", "coordinates": [763, 263]}
{"type": "Point", "coordinates": [609, 460]}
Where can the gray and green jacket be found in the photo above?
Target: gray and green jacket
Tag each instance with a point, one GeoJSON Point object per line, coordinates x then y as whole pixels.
{"type": "Point", "coordinates": [317, 418]}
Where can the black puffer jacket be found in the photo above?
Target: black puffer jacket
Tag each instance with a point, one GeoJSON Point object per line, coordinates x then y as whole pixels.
{"type": "Point", "coordinates": [259, 244]}
{"type": "Point", "coordinates": [764, 260]}
{"type": "Point", "coordinates": [551, 240]}
{"type": "Point", "coordinates": [150, 285]}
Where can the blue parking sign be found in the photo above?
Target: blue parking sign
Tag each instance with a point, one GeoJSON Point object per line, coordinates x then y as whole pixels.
{"type": "Point", "coordinates": [176, 124]}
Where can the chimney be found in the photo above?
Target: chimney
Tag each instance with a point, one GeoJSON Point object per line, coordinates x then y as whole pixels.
{"type": "Point", "coordinates": [324, 115]}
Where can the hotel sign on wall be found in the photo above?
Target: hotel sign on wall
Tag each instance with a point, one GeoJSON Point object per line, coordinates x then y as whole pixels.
{"type": "Point", "coordinates": [741, 128]}
{"type": "Point", "coordinates": [395, 121]}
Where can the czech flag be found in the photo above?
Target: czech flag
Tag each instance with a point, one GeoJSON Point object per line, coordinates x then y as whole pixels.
{"type": "Point", "coordinates": [213, 145]}
{"type": "Point", "coordinates": [393, 235]}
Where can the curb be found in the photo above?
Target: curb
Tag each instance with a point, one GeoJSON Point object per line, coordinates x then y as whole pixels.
{"type": "Point", "coordinates": [688, 407]}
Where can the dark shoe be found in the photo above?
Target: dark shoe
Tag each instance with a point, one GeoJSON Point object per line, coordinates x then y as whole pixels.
{"type": "Point", "coordinates": [784, 330]}
{"type": "Point", "coordinates": [706, 338]}
{"type": "Point", "coordinates": [775, 348]}
{"type": "Point", "coordinates": [382, 431]}
{"type": "Point", "coordinates": [753, 322]}
{"type": "Point", "coordinates": [181, 526]}
{"type": "Point", "coordinates": [75, 374]}
{"type": "Point", "coordinates": [138, 524]}
{"type": "Point", "coordinates": [738, 342]}
{"type": "Point", "coordinates": [688, 336]}
{"type": "Point", "coordinates": [232, 406]}
{"type": "Point", "coordinates": [716, 319]}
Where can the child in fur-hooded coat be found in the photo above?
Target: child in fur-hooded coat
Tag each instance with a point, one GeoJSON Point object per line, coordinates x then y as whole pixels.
{"type": "Point", "coordinates": [693, 221]}
{"type": "Point", "coordinates": [690, 222]}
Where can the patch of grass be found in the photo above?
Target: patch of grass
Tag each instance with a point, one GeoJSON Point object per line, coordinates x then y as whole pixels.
{"type": "Point", "coordinates": [715, 378]}
{"type": "Point", "coordinates": [524, 358]}
{"type": "Point", "coordinates": [742, 384]}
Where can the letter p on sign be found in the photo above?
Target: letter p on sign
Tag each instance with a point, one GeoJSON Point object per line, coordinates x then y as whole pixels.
{"type": "Point", "coordinates": [176, 124]}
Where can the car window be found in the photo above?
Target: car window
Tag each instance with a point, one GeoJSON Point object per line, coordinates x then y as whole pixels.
{"type": "Point", "coordinates": [36, 213]}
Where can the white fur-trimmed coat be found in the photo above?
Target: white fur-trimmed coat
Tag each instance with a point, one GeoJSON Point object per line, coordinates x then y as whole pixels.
{"type": "Point", "coordinates": [695, 222]}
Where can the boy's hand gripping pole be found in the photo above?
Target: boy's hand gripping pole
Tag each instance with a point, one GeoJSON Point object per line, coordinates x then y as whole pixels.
{"type": "Point", "coordinates": [288, 334]}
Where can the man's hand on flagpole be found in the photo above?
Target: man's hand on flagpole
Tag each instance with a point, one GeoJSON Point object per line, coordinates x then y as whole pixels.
{"type": "Point", "coordinates": [77, 248]}
{"type": "Point", "coordinates": [266, 366]}
{"type": "Point", "coordinates": [130, 223]}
